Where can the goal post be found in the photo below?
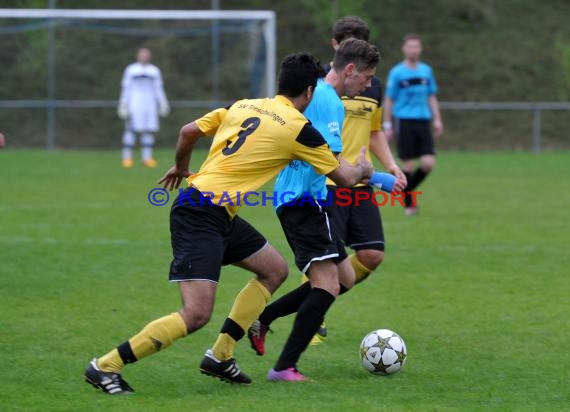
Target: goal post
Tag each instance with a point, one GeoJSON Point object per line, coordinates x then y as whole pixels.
{"type": "Point", "coordinates": [267, 16]}
{"type": "Point", "coordinates": [265, 21]}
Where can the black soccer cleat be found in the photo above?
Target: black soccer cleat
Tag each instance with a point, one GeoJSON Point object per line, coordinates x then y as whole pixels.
{"type": "Point", "coordinates": [227, 370]}
{"type": "Point", "coordinates": [109, 382]}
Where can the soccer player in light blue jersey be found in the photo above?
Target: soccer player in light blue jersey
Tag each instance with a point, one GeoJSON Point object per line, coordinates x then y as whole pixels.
{"type": "Point", "coordinates": [299, 179]}
{"type": "Point", "coordinates": [409, 107]}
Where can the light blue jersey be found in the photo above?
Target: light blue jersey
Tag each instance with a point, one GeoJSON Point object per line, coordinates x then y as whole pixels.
{"type": "Point", "coordinates": [410, 88]}
{"type": "Point", "coordinates": [299, 179]}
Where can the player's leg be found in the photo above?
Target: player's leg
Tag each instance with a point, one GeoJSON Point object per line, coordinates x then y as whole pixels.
{"type": "Point", "coordinates": [324, 289]}
{"type": "Point", "coordinates": [339, 218]}
{"type": "Point", "coordinates": [147, 144]}
{"type": "Point", "coordinates": [407, 141]}
{"type": "Point", "coordinates": [128, 144]}
{"type": "Point", "coordinates": [425, 151]}
{"type": "Point", "coordinates": [249, 250]}
{"type": "Point", "coordinates": [197, 247]}
{"type": "Point", "coordinates": [426, 165]}
{"type": "Point", "coordinates": [306, 230]}
{"type": "Point", "coordinates": [317, 252]}
{"type": "Point", "coordinates": [149, 124]}
{"type": "Point", "coordinates": [365, 236]}
{"type": "Point", "coordinates": [197, 303]}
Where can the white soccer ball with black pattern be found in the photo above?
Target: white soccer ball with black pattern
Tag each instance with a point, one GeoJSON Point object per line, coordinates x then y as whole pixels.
{"type": "Point", "coordinates": [383, 352]}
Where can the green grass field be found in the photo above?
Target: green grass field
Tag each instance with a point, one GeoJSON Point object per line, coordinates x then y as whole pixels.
{"type": "Point", "coordinates": [477, 285]}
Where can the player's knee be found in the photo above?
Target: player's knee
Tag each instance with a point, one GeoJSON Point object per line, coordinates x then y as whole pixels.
{"type": "Point", "coordinates": [279, 274]}
{"type": "Point", "coordinates": [195, 317]}
{"type": "Point", "coordinates": [346, 284]}
{"type": "Point", "coordinates": [408, 166]}
{"type": "Point", "coordinates": [370, 258]}
{"type": "Point", "coordinates": [335, 289]}
{"type": "Point", "coordinates": [346, 276]}
{"type": "Point", "coordinates": [428, 164]}
{"type": "Point", "coordinates": [275, 273]}
{"type": "Point", "coordinates": [147, 139]}
{"type": "Point", "coordinates": [129, 140]}
{"type": "Point", "coordinates": [331, 285]}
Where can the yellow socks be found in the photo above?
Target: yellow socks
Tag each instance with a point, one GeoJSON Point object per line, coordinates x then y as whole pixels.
{"type": "Point", "coordinates": [248, 305]}
{"type": "Point", "coordinates": [360, 270]}
{"type": "Point", "coordinates": [157, 335]}
{"type": "Point", "coordinates": [111, 362]}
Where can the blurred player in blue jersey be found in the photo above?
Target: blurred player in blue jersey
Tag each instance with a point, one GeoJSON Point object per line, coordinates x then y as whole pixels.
{"type": "Point", "coordinates": [410, 105]}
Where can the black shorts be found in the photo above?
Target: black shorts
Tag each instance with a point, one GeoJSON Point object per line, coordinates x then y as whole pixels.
{"type": "Point", "coordinates": [413, 138]}
{"type": "Point", "coordinates": [310, 234]}
{"type": "Point", "coordinates": [359, 227]}
{"type": "Point", "coordinates": [204, 238]}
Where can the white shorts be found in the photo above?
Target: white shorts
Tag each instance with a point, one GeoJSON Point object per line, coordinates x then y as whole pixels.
{"type": "Point", "coordinates": [143, 121]}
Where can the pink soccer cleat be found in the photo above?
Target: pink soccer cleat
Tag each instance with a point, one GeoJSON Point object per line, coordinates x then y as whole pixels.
{"type": "Point", "coordinates": [287, 375]}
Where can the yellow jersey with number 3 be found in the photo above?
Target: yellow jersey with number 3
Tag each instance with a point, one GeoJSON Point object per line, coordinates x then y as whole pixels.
{"type": "Point", "coordinates": [253, 141]}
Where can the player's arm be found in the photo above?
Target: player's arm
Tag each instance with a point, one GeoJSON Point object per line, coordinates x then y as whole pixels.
{"type": "Point", "coordinates": [189, 134]}
{"type": "Point", "coordinates": [123, 108]}
{"type": "Point", "coordinates": [379, 147]}
{"type": "Point", "coordinates": [379, 144]}
{"type": "Point", "coordinates": [434, 105]}
{"type": "Point", "coordinates": [312, 147]}
{"type": "Point", "coordinates": [391, 93]}
{"type": "Point", "coordinates": [187, 137]}
{"type": "Point", "coordinates": [163, 106]}
{"type": "Point", "coordinates": [347, 175]}
{"type": "Point", "coordinates": [437, 123]}
{"type": "Point", "coordinates": [387, 121]}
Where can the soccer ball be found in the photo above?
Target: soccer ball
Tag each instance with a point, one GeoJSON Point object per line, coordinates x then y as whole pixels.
{"type": "Point", "coordinates": [383, 352]}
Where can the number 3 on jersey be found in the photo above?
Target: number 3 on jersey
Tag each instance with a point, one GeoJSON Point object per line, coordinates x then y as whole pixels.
{"type": "Point", "coordinates": [248, 126]}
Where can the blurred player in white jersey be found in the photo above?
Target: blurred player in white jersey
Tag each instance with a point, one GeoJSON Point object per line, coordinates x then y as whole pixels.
{"type": "Point", "coordinates": [142, 100]}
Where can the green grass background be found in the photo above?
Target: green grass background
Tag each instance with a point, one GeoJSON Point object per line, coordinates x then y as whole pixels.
{"type": "Point", "coordinates": [477, 285]}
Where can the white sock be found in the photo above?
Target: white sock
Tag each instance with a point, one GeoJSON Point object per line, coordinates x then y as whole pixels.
{"type": "Point", "coordinates": [127, 153]}
{"type": "Point", "coordinates": [146, 153]}
{"type": "Point", "coordinates": [128, 143]}
{"type": "Point", "coordinates": [147, 141]}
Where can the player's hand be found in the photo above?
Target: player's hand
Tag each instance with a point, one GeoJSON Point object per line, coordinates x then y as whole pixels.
{"type": "Point", "coordinates": [123, 112]}
{"type": "Point", "coordinates": [164, 110]}
{"type": "Point", "coordinates": [365, 165]}
{"type": "Point", "coordinates": [401, 180]}
{"type": "Point", "coordinates": [437, 128]}
{"type": "Point", "coordinates": [173, 177]}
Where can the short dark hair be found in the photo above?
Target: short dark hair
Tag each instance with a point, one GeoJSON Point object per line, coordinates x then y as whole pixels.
{"type": "Point", "coordinates": [298, 71]}
{"type": "Point", "coordinates": [409, 37]}
{"type": "Point", "coordinates": [359, 52]}
{"type": "Point", "coordinates": [350, 27]}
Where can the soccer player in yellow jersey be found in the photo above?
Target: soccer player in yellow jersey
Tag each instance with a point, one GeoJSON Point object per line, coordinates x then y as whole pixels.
{"type": "Point", "coordinates": [253, 141]}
